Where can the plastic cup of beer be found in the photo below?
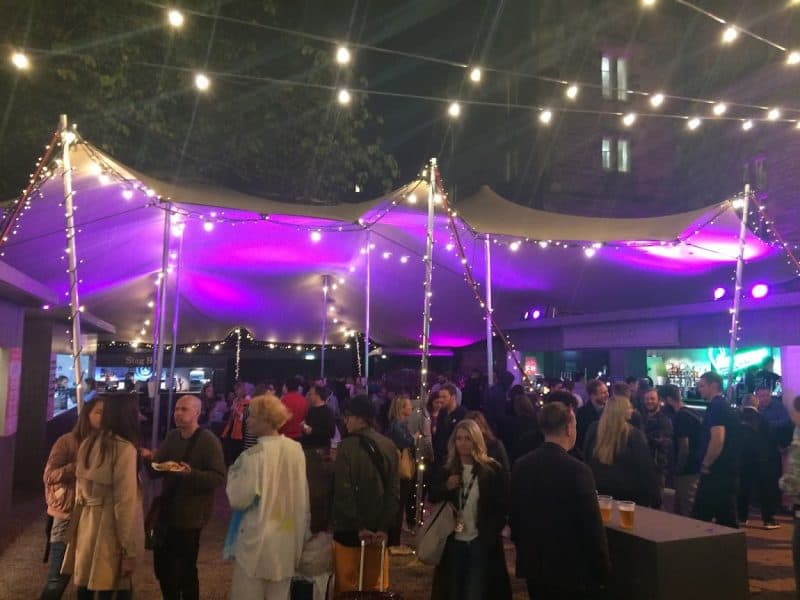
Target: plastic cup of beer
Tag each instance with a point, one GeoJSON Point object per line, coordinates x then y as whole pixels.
{"type": "Point", "coordinates": [626, 514]}
{"type": "Point", "coordinates": [605, 502]}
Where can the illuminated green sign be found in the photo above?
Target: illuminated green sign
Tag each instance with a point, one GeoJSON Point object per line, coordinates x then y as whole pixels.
{"type": "Point", "coordinates": [721, 358]}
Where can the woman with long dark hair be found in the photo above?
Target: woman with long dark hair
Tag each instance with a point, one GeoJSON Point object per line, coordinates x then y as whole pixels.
{"type": "Point", "coordinates": [59, 491]}
{"type": "Point", "coordinates": [473, 565]}
{"type": "Point", "coordinates": [108, 528]}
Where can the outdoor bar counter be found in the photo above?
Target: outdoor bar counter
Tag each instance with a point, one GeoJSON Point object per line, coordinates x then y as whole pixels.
{"type": "Point", "coordinates": [669, 557]}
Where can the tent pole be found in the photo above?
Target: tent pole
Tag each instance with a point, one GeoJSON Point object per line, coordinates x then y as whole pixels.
{"type": "Point", "coordinates": [426, 312]}
{"type": "Point", "coordinates": [175, 317]}
{"type": "Point", "coordinates": [67, 137]}
{"type": "Point", "coordinates": [325, 280]}
{"type": "Point", "coordinates": [737, 293]}
{"type": "Point", "coordinates": [367, 316]}
{"type": "Point", "coordinates": [161, 305]}
{"type": "Point", "coordinates": [489, 344]}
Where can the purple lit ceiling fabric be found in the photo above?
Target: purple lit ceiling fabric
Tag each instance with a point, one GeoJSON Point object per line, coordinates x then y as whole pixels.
{"type": "Point", "coordinates": [266, 274]}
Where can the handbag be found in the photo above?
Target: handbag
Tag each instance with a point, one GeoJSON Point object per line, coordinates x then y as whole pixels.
{"type": "Point", "coordinates": [432, 536]}
{"type": "Point", "coordinates": [406, 465]}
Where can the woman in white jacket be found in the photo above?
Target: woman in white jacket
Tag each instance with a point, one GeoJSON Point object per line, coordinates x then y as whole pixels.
{"type": "Point", "coordinates": [268, 482]}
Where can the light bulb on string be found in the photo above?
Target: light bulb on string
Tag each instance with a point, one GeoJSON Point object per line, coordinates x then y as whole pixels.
{"type": "Point", "coordinates": [720, 108]}
{"type": "Point", "coordinates": [648, 3]}
{"type": "Point", "coordinates": [20, 60]}
{"type": "Point", "coordinates": [747, 125]}
{"type": "Point", "coordinates": [629, 119]}
{"type": "Point", "coordinates": [208, 226]}
{"type": "Point", "coordinates": [475, 75]}
{"type": "Point", "coordinates": [656, 100]}
{"type": "Point", "coordinates": [730, 34]}
{"type": "Point", "coordinates": [572, 92]}
{"type": "Point", "coordinates": [344, 97]}
{"type": "Point", "coordinates": [175, 18]}
{"type": "Point", "coordinates": [343, 55]}
{"type": "Point", "coordinates": [793, 58]}
{"type": "Point", "coordinates": [774, 114]}
{"type": "Point", "coordinates": [202, 82]}
{"type": "Point", "coordinates": [454, 110]}
{"type": "Point", "coordinates": [693, 123]}
{"type": "Point", "coordinates": [546, 116]}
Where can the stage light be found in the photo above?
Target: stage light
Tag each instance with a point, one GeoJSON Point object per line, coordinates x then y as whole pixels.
{"type": "Point", "coordinates": [175, 18]}
{"type": "Point", "coordinates": [720, 108]}
{"type": "Point", "coordinates": [657, 100]}
{"type": "Point", "coordinates": [719, 293]}
{"type": "Point", "coordinates": [45, 307]}
{"type": "Point", "coordinates": [208, 226]}
{"type": "Point", "coordinates": [546, 116]}
{"type": "Point", "coordinates": [316, 236]}
{"type": "Point", "coordinates": [747, 125]}
{"type": "Point", "coordinates": [759, 290]}
{"type": "Point", "coordinates": [730, 34]}
{"type": "Point", "coordinates": [693, 123]}
{"type": "Point", "coordinates": [454, 110]}
{"type": "Point", "coordinates": [344, 97]}
{"type": "Point", "coordinates": [342, 55]}
{"type": "Point", "coordinates": [20, 61]}
{"type": "Point", "coordinates": [202, 82]}
{"type": "Point", "coordinates": [475, 75]}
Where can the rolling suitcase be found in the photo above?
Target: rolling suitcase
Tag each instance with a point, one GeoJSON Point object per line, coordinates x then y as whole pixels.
{"type": "Point", "coordinates": [362, 594]}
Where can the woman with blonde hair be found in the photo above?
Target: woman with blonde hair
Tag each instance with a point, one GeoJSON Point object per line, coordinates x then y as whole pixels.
{"type": "Point", "coordinates": [399, 411]}
{"type": "Point", "coordinates": [268, 483]}
{"type": "Point", "coordinates": [473, 565]}
{"type": "Point", "coordinates": [619, 456]}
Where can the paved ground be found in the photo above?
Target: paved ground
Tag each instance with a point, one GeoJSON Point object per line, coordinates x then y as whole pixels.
{"type": "Point", "coordinates": [22, 572]}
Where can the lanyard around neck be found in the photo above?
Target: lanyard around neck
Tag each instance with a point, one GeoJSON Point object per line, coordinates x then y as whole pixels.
{"type": "Point", "coordinates": [465, 491]}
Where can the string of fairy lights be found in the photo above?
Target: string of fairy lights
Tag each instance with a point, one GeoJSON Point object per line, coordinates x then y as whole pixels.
{"type": "Point", "coordinates": [343, 56]}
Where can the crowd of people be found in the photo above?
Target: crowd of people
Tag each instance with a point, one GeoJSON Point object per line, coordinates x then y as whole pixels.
{"type": "Point", "coordinates": [327, 472]}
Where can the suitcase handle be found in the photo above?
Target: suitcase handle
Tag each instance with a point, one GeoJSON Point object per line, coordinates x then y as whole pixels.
{"type": "Point", "coordinates": [361, 565]}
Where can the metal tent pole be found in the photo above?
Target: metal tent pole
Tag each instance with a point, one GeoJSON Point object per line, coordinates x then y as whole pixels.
{"type": "Point", "coordinates": [67, 137]}
{"type": "Point", "coordinates": [368, 315]}
{"type": "Point", "coordinates": [489, 331]}
{"type": "Point", "coordinates": [161, 303]}
{"type": "Point", "coordinates": [175, 318]}
{"type": "Point", "coordinates": [426, 312]}
{"type": "Point", "coordinates": [325, 280]}
{"type": "Point", "coordinates": [737, 292]}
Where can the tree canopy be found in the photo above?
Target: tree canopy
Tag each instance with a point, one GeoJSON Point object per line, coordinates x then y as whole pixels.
{"type": "Point", "coordinates": [127, 79]}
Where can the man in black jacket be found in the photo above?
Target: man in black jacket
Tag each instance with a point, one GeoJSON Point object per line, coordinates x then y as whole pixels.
{"type": "Point", "coordinates": [757, 471]}
{"type": "Point", "coordinates": [556, 525]}
{"type": "Point", "coordinates": [591, 411]}
{"type": "Point", "coordinates": [450, 414]}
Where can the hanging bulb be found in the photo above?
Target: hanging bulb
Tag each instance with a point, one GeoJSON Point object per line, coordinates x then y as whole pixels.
{"type": "Point", "coordinates": [454, 110]}
{"type": "Point", "coordinates": [657, 100]}
{"type": "Point", "coordinates": [730, 34]}
{"type": "Point", "coordinates": [475, 75]}
{"type": "Point", "coordinates": [343, 55]}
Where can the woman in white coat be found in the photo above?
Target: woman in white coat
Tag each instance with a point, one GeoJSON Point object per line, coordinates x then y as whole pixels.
{"type": "Point", "coordinates": [268, 482]}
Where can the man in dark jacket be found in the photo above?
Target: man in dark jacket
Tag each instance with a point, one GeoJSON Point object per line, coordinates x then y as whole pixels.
{"type": "Point", "coordinates": [449, 415]}
{"type": "Point", "coordinates": [366, 489]}
{"type": "Point", "coordinates": [658, 430]}
{"type": "Point", "coordinates": [757, 471]}
{"type": "Point", "coordinates": [187, 499]}
{"type": "Point", "coordinates": [556, 525]}
{"type": "Point", "coordinates": [591, 411]}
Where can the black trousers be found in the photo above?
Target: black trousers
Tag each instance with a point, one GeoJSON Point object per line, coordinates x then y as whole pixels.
{"type": "Point", "coordinates": [87, 594]}
{"type": "Point", "coordinates": [175, 564]}
{"type": "Point", "coordinates": [716, 500]}
{"type": "Point", "coordinates": [543, 591]}
{"type": "Point", "coordinates": [758, 480]}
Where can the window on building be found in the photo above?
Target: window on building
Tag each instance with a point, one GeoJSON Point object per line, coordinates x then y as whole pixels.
{"type": "Point", "coordinates": [622, 79]}
{"type": "Point", "coordinates": [605, 73]}
{"type": "Point", "coordinates": [606, 154]}
{"type": "Point", "coordinates": [623, 156]}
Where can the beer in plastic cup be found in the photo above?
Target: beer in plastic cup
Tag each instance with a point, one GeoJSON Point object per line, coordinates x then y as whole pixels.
{"type": "Point", "coordinates": [605, 503]}
{"type": "Point", "coordinates": [626, 514]}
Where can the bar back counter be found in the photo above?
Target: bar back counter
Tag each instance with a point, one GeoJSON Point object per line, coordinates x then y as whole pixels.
{"type": "Point", "coordinates": [669, 557]}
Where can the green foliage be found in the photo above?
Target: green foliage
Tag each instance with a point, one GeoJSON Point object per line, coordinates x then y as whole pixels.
{"type": "Point", "coordinates": [111, 66]}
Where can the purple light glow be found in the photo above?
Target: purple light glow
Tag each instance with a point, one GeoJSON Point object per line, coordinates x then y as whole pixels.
{"type": "Point", "coordinates": [759, 290]}
{"type": "Point", "coordinates": [719, 293]}
{"type": "Point", "coordinates": [536, 314]}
